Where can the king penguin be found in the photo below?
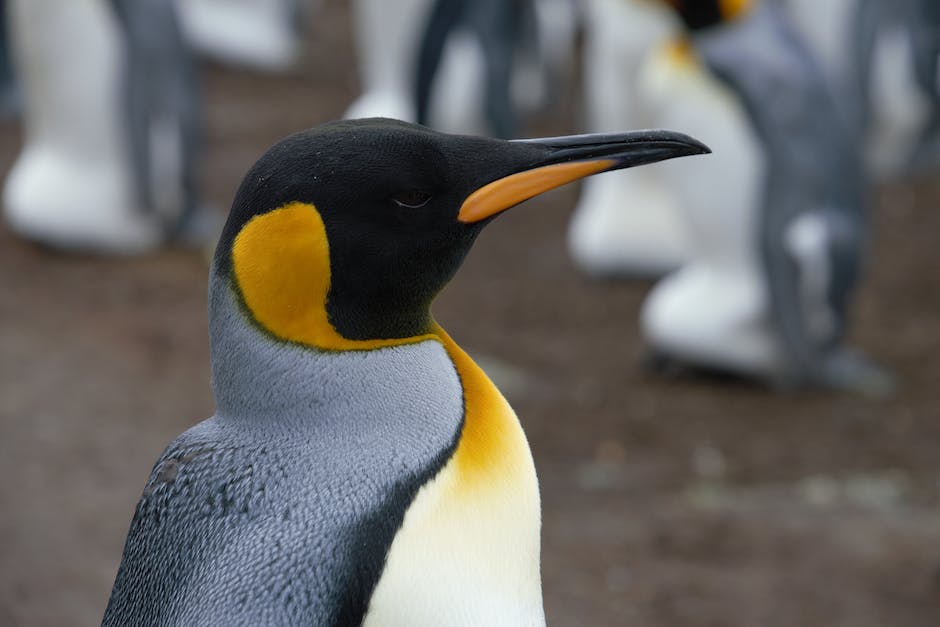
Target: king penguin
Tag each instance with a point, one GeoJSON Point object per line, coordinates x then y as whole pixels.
{"type": "Point", "coordinates": [897, 47]}
{"type": "Point", "coordinates": [360, 468]}
{"type": "Point", "coordinates": [458, 66]}
{"type": "Point", "coordinates": [780, 215]}
{"type": "Point", "coordinates": [493, 28]}
{"type": "Point", "coordinates": [111, 126]}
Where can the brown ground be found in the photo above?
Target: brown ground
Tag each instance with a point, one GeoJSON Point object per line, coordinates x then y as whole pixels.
{"type": "Point", "coordinates": [666, 502]}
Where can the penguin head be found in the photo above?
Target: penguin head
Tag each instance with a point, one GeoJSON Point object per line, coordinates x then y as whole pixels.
{"type": "Point", "coordinates": [340, 236]}
{"type": "Point", "coordinates": [702, 14]}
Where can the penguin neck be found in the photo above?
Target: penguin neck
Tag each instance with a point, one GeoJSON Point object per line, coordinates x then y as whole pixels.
{"type": "Point", "coordinates": [293, 376]}
{"type": "Point", "coordinates": [366, 312]}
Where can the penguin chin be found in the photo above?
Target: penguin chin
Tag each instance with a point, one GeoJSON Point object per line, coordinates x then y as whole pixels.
{"type": "Point", "coordinates": [397, 306]}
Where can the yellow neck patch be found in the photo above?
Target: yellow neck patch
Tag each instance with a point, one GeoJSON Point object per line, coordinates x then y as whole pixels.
{"type": "Point", "coordinates": [281, 265]}
{"type": "Point", "coordinates": [733, 9]}
{"type": "Point", "coordinates": [492, 447]}
{"type": "Point", "coordinates": [681, 53]}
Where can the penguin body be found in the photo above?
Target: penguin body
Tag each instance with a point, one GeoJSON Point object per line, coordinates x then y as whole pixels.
{"type": "Point", "coordinates": [604, 238]}
{"type": "Point", "coordinates": [110, 126]}
{"type": "Point", "coordinates": [504, 59]}
{"type": "Point", "coordinates": [883, 57]}
{"type": "Point", "coordinates": [261, 34]}
{"type": "Point", "coordinates": [302, 498]}
{"type": "Point", "coordinates": [360, 468]}
{"type": "Point", "coordinates": [163, 109]}
{"type": "Point", "coordinates": [499, 30]}
{"type": "Point", "coordinates": [899, 57]}
{"type": "Point", "coordinates": [718, 202]}
{"type": "Point", "coordinates": [808, 228]}
{"type": "Point", "coordinates": [387, 37]}
{"type": "Point", "coordinates": [460, 66]}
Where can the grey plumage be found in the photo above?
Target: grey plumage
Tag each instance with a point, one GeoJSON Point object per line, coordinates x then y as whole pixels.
{"type": "Point", "coordinates": [280, 508]}
{"type": "Point", "coordinates": [812, 168]}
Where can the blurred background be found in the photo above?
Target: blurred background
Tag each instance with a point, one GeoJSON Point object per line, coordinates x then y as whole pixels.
{"type": "Point", "coordinates": [784, 479]}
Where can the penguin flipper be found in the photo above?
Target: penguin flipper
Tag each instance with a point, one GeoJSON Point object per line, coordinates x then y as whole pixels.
{"type": "Point", "coordinates": [242, 526]}
{"type": "Point", "coordinates": [446, 15]}
{"type": "Point", "coordinates": [208, 544]}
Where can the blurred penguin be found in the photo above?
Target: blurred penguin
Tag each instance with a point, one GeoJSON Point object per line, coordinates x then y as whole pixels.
{"type": "Point", "coordinates": [461, 66]}
{"type": "Point", "coordinates": [898, 46]}
{"type": "Point", "coordinates": [926, 45]}
{"type": "Point", "coordinates": [503, 57]}
{"type": "Point", "coordinates": [387, 36]}
{"type": "Point", "coordinates": [260, 34]}
{"type": "Point", "coordinates": [494, 26]}
{"type": "Point", "coordinates": [780, 211]}
{"type": "Point", "coordinates": [884, 56]}
{"type": "Point", "coordinates": [626, 223]}
{"type": "Point", "coordinates": [111, 126]}
{"type": "Point", "coordinates": [9, 96]}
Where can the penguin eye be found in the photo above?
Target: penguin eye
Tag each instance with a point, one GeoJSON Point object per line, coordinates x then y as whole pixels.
{"type": "Point", "coordinates": [411, 198]}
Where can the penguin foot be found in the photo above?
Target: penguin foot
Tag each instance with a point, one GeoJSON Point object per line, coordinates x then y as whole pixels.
{"type": "Point", "coordinates": [656, 362]}
{"type": "Point", "coordinates": [848, 370]}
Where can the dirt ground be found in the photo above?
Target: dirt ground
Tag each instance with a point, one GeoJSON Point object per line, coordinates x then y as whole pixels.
{"type": "Point", "coordinates": [667, 502]}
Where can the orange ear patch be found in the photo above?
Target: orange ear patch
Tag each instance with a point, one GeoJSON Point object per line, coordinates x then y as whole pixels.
{"type": "Point", "coordinates": [281, 266]}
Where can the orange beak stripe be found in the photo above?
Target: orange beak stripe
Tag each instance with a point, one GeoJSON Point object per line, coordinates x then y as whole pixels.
{"type": "Point", "coordinates": [509, 191]}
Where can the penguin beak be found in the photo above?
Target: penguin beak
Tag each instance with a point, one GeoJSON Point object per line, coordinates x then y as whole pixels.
{"type": "Point", "coordinates": [568, 159]}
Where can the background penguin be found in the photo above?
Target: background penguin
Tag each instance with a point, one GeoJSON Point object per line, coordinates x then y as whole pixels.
{"type": "Point", "coordinates": [925, 43]}
{"type": "Point", "coordinates": [461, 66]}
{"type": "Point", "coordinates": [503, 58]}
{"type": "Point", "coordinates": [897, 47]}
{"type": "Point", "coordinates": [626, 223]}
{"type": "Point", "coordinates": [360, 468]}
{"type": "Point", "coordinates": [882, 56]}
{"type": "Point", "coordinates": [111, 120]}
{"type": "Point", "coordinates": [387, 37]}
{"type": "Point", "coordinates": [9, 97]}
{"type": "Point", "coordinates": [806, 231]}
{"type": "Point", "coordinates": [496, 26]}
{"type": "Point", "coordinates": [261, 34]}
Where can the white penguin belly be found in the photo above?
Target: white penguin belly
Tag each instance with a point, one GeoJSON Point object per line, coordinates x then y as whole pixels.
{"type": "Point", "coordinates": [71, 185]}
{"type": "Point", "coordinates": [715, 310]}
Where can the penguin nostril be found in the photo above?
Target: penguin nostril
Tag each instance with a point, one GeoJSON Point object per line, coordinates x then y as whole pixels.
{"type": "Point", "coordinates": [411, 198]}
